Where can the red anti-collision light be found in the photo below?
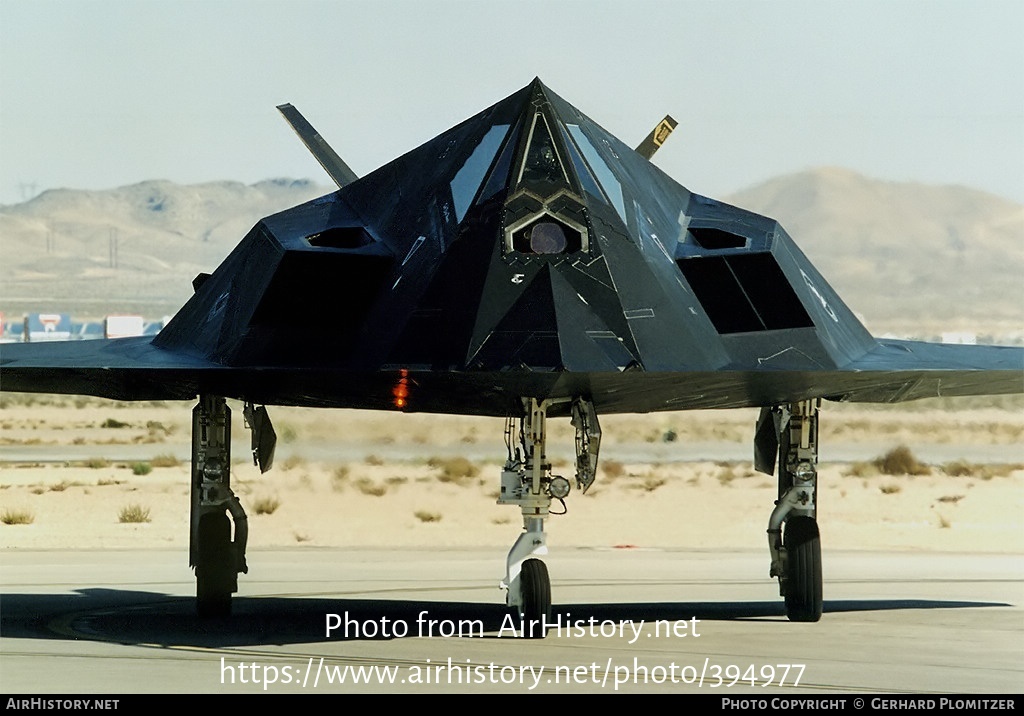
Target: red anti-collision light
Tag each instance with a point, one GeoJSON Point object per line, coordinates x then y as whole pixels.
{"type": "Point", "coordinates": [401, 389]}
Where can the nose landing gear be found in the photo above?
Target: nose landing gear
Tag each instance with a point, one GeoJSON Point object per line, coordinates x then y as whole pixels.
{"type": "Point", "coordinates": [526, 481]}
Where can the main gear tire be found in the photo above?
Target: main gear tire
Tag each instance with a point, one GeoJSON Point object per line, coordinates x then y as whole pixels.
{"type": "Point", "coordinates": [802, 543]}
{"type": "Point", "coordinates": [216, 577]}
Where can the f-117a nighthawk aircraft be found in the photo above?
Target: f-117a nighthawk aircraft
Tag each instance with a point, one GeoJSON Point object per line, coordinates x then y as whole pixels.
{"type": "Point", "coordinates": [524, 264]}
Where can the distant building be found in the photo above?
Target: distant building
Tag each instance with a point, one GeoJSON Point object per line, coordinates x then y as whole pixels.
{"type": "Point", "coordinates": [47, 327]}
{"type": "Point", "coordinates": [123, 326]}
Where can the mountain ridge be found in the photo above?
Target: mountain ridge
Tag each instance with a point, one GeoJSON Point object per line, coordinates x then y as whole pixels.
{"type": "Point", "coordinates": [909, 258]}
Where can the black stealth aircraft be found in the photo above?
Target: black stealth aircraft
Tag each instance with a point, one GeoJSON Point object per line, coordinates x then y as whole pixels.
{"type": "Point", "coordinates": [524, 264]}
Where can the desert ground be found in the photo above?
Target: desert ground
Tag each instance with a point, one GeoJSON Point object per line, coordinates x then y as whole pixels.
{"type": "Point", "coordinates": [348, 478]}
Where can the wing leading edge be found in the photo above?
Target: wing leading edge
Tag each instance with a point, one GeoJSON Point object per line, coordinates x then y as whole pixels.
{"type": "Point", "coordinates": [526, 251]}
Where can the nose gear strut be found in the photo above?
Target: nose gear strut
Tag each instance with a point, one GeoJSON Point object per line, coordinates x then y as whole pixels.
{"type": "Point", "coordinates": [526, 481]}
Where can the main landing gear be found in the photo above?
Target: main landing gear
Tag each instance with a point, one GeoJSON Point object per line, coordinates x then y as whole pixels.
{"type": "Point", "coordinates": [526, 481]}
{"type": "Point", "coordinates": [789, 434]}
{"type": "Point", "coordinates": [218, 558]}
{"type": "Point", "coordinates": [793, 538]}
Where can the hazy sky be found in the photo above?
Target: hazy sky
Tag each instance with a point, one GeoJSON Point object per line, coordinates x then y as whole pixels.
{"type": "Point", "coordinates": [101, 93]}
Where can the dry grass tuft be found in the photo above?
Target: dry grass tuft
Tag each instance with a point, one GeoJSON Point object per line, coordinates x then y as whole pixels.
{"type": "Point", "coordinates": [454, 469]}
{"type": "Point", "coordinates": [952, 499]}
{"type": "Point", "coordinates": [612, 469]}
{"type": "Point", "coordinates": [17, 517]}
{"type": "Point", "coordinates": [292, 461]}
{"type": "Point", "coordinates": [339, 477]}
{"type": "Point", "coordinates": [960, 468]}
{"type": "Point", "coordinates": [862, 469]}
{"type": "Point", "coordinates": [900, 461]}
{"type": "Point", "coordinates": [890, 489]}
{"type": "Point", "coordinates": [374, 460]}
{"type": "Point", "coordinates": [165, 461]}
{"type": "Point", "coordinates": [112, 423]}
{"type": "Point", "coordinates": [265, 505]}
{"type": "Point", "coordinates": [652, 483]}
{"type": "Point", "coordinates": [133, 514]}
{"type": "Point", "coordinates": [425, 516]}
{"type": "Point", "coordinates": [726, 474]}
{"type": "Point", "coordinates": [368, 487]}
{"type": "Point", "coordinates": [97, 462]}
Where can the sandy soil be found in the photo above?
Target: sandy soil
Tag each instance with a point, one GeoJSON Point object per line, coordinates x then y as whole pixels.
{"type": "Point", "coordinates": [379, 499]}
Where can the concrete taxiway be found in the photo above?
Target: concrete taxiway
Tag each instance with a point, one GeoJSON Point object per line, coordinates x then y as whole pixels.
{"type": "Point", "coordinates": [433, 621]}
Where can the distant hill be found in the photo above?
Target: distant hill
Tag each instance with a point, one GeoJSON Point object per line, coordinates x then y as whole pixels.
{"type": "Point", "coordinates": [132, 249]}
{"type": "Point", "coordinates": [910, 259]}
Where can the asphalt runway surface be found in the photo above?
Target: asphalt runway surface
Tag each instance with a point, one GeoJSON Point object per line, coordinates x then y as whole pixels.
{"type": "Point", "coordinates": [422, 620]}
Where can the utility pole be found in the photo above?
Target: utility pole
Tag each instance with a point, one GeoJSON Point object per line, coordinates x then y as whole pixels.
{"type": "Point", "coordinates": [112, 247]}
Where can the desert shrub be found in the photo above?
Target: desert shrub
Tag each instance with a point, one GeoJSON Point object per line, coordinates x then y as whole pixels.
{"type": "Point", "coordinates": [862, 469]}
{"type": "Point", "coordinates": [339, 477]}
{"type": "Point", "coordinates": [726, 474]}
{"type": "Point", "coordinates": [612, 469]}
{"type": "Point", "coordinates": [265, 505]}
{"type": "Point", "coordinates": [131, 514]}
{"type": "Point", "coordinates": [425, 516]}
{"type": "Point", "coordinates": [900, 461]}
{"type": "Point", "coordinates": [999, 470]}
{"type": "Point", "coordinates": [156, 426]}
{"type": "Point", "coordinates": [141, 468]}
{"type": "Point", "coordinates": [959, 468]}
{"type": "Point", "coordinates": [16, 517]}
{"type": "Point", "coordinates": [112, 423]}
{"type": "Point", "coordinates": [652, 483]}
{"type": "Point", "coordinates": [292, 461]}
{"type": "Point", "coordinates": [97, 462]}
{"type": "Point", "coordinates": [369, 487]}
{"type": "Point", "coordinates": [890, 489]}
{"type": "Point", "coordinates": [165, 461]}
{"type": "Point", "coordinates": [453, 469]}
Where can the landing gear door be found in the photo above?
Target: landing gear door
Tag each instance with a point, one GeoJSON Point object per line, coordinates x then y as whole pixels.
{"type": "Point", "coordinates": [588, 442]}
{"type": "Point", "coordinates": [766, 440]}
{"type": "Point", "coordinates": [264, 439]}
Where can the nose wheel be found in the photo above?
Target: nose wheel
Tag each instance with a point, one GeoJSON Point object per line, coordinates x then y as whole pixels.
{"type": "Point", "coordinates": [527, 482]}
{"type": "Point", "coordinates": [536, 598]}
